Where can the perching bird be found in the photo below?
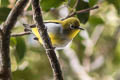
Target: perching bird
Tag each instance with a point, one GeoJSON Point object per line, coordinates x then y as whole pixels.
{"type": "Point", "coordinates": [61, 32]}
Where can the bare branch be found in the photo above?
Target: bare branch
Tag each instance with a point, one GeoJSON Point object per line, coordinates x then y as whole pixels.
{"type": "Point", "coordinates": [20, 34]}
{"type": "Point", "coordinates": [14, 14]}
{"type": "Point", "coordinates": [5, 65]}
{"type": "Point", "coordinates": [86, 10]}
{"type": "Point", "coordinates": [81, 11]}
{"type": "Point", "coordinates": [37, 15]}
{"type": "Point", "coordinates": [77, 1]}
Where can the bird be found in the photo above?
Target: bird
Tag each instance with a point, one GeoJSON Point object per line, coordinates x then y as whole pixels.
{"type": "Point", "coordinates": [61, 32]}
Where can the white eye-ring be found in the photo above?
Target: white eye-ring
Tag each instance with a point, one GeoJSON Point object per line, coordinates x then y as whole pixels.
{"type": "Point", "coordinates": [71, 26]}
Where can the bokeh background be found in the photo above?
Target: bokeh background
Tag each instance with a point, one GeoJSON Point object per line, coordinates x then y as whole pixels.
{"type": "Point", "coordinates": [94, 54]}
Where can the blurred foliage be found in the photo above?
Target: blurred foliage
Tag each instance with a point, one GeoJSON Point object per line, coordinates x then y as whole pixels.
{"type": "Point", "coordinates": [4, 3]}
{"type": "Point", "coordinates": [4, 13]}
{"type": "Point", "coordinates": [20, 49]}
{"type": "Point", "coordinates": [97, 48]}
{"type": "Point", "coordinates": [83, 17]}
{"type": "Point", "coordinates": [93, 2]}
{"type": "Point", "coordinates": [95, 20]}
{"type": "Point", "coordinates": [116, 3]}
{"type": "Point", "coordinates": [52, 4]}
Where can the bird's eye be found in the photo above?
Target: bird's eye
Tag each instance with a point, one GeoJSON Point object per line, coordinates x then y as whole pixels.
{"type": "Point", "coordinates": [71, 26]}
{"type": "Point", "coordinates": [75, 27]}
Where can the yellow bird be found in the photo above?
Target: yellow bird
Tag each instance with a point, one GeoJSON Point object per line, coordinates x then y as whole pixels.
{"type": "Point", "coordinates": [61, 32]}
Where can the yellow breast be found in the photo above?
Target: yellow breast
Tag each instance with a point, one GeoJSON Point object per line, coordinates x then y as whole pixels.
{"type": "Point", "coordinates": [73, 33]}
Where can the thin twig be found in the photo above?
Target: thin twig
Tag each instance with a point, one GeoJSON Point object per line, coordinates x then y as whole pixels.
{"type": "Point", "coordinates": [77, 1]}
{"type": "Point", "coordinates": [12, 17]}
{"type": "Point", "coordinates": [81, 11]}
{"type": "Point", "coordinates": [37, 15]}
{"type": "Point", "coordinates": [74, 7]}
{"type": "Point", "coordinates": [20, 34]}
{"type": "Point", "coordinates": [68, 2]}
{"type": "Point", "coordinates": [5, 65]}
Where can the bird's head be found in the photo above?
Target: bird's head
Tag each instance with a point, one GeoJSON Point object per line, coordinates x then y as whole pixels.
{"type": "Point", "coordinates": [71, 27]}
{"type": "Point", "coordinates": [72, 23]}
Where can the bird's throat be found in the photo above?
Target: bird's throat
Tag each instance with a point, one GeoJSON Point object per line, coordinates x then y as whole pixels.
{"type": "Point", "coordinates": [73, 33]}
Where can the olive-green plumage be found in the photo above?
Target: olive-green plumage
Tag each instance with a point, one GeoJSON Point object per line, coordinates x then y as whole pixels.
{"type": "Point", "coordinates": [60, 32]}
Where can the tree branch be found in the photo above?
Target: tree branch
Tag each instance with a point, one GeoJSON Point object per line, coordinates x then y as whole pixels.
{"type": "Point", "coordinates": [5, 65]}
{"type": "Point", "coordinates": [37, 15]}
{"type": "Point", "coordinates": [76, 3]}
{"type": "Point", "coordinates": [81, 11]}
{"type": "Point", "coordinates": [12, 17]}
{"type": "Point", "coordinates": [20, 34]}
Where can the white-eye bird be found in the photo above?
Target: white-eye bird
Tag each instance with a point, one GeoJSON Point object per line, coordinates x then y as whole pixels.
{"type": "Point", "coordinates": [61, 32]}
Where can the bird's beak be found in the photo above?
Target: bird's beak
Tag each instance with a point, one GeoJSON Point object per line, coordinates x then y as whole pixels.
{"type": "Point", "coordinates": [81, 28]}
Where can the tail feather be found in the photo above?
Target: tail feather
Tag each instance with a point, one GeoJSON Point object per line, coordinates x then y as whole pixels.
{"type": "Point", "coordinates": [32, 28]}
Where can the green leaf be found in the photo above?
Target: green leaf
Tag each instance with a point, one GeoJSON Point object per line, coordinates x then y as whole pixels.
{"type": "Point", "coordinates": [4, 3]}
{"type": "Point", "coordinates": [116, 3]}
{"type": "Point", "coordinates": [48, 4]}
{"type": "Point", "coordinates": [20, 49]}
{"type": "Point", "coordinates": [116, 59]}
{"type": "Point", "coordinates": [92, 2]}
{"type": "Point", "coordinates": [4, 13]}
{"type": "Point", "coordinates": [95, 20]}
{"type": "Point", "coordinates": [12, 41]}
{"type": "Point", "coordinates": [83, 17]}
{"type": "Point", "coordinates": [72, 3]}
